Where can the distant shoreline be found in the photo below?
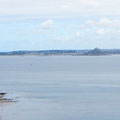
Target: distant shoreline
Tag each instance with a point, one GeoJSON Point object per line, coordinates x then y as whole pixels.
{"type": "Point", "coordinates": [92, 52]}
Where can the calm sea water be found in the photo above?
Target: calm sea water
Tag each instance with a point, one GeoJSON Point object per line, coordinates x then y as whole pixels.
{"type": "Point", "coordinates": [61, 88]}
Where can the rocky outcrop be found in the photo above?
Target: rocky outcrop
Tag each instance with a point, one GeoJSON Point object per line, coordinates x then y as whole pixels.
{"type": "Point", "coordinates": [5, 100]}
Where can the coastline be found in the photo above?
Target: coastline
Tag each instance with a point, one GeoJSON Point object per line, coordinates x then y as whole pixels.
{"type": "Point", "coordinates": [93, 52]}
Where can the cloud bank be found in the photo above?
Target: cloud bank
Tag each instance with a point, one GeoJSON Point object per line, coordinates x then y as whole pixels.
{"type": "Point", "coordinates": [58, 8]}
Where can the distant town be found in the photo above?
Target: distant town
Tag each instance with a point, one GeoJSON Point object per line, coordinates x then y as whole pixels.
{"type": "Point", "coordinates": [93, 52]}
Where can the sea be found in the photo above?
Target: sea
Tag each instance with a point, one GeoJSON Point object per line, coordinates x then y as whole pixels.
{"type": "Point", "coordinates": [60, 87]}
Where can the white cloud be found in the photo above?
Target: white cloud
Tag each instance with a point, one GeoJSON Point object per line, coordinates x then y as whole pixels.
{"type": "Point", "coordinates": [77, 34]}
{"type": "Point", "coordinates": [45, 28]}
{"type": "Point", "coordinates": [88, 30]}
{"type": "Point", "coordinates": [47, 24]}
{"type": "Point", "coordinates": [105, 22]}
{"type": "Point", "coordinates": [88, 23]}
{"type": "Point", "coordinates": [100, 32]}
{"type": "Point", "coordinates": [93, 3]}
{"type": "Point", "coordinates": [67, 5]}
{"type": "Point", "coordinates": [111, 23]}
{"type": "Point", "coordinates": [102, 22]}
{"type": "Point", "coordinates": [103, 26]}
{"type": "Point", "coordinates": [59, 8]}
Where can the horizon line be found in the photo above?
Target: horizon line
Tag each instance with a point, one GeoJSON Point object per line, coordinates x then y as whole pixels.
{"type": "Point", "coordinates": [60, 49]}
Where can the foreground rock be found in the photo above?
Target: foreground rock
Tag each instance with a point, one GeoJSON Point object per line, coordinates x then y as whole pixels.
{"type": "Point", "coordinates": [2, 94]}
{"type": "Point", "coordinates": [5, 100]}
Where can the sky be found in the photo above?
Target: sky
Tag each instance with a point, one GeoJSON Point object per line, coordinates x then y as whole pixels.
{"type": "Point", "coordinates": [59, 24]}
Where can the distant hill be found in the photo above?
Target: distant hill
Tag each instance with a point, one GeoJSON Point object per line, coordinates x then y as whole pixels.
{"type": "Point", "coordinates": [96, 51]}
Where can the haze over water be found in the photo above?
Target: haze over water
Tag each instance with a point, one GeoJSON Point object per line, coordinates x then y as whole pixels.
{"type": "Point", "coordinates": [61, 88]}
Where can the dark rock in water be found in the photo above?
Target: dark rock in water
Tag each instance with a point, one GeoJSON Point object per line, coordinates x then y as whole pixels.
{"type": "Point", "coordinates": [5, 100]}
{"type": "Point", "coordinates": [2, 93]}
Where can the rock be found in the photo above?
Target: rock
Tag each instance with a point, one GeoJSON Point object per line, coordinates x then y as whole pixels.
{"type": "Point", "coordinates": [5, 100]}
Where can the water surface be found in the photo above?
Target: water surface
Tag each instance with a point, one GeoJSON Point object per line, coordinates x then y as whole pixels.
{"type": "Point", "coordinates": [61, 88]}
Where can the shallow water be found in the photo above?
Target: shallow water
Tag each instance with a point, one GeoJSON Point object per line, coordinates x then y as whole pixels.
{"type": "Point", "coordinates": [60, 88]}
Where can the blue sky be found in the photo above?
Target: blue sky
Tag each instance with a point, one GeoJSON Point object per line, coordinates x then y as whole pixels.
{"type": "Point", "coordinates": [54, 24]}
